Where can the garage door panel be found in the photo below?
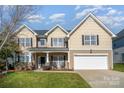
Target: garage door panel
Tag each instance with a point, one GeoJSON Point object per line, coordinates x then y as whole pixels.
{"type": "Point", "coordinates": [90, 62]}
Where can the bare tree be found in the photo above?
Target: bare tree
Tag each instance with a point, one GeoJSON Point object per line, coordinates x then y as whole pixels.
{"type": "Point", "coordinates": [11, 17]}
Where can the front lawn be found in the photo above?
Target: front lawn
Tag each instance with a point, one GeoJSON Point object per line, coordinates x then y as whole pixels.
{"type": "Point", "coordinates": [43, 80]}
{"type": "Point", "coordinates": [119, 67]}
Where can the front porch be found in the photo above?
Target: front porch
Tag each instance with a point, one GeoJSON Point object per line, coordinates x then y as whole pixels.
{"type": "Point", "coordinates": [56, 60]}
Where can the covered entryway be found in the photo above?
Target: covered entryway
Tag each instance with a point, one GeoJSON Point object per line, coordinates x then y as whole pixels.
{"type": "Point", "coordinates": [90, 62]}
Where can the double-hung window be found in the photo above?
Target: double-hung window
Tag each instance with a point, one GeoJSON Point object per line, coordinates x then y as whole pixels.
{"type": "Point", "coordinates": [87, 40]}
{"type": "Point", "coordinates": [90, 40]}
{"type": "Point", "coordinates": [22, 41]}
{"type": "Point", "coordinates": [58, 42]}
{"type": "Point", "coordinates": [28, 41]}
{"type": "Point", "coordinates": [93, 40]}
{"type": "Point", "coordinates": [25, 42]}
{"type": "Point", "coordinates": [42, 42]}
{"type": "Point", "coordinates": [24, 57]}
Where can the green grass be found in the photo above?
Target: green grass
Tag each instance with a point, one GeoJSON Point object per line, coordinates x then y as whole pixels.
{"type": "Point", "coordinates": [43, 80]}
{"type": "Point", "coordinates": [119, 67]}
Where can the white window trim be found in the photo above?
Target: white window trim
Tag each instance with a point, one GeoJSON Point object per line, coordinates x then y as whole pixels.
{"type": "Point", "coordinates": [25, 42]}
{"type": "Point", "coordinates": [90, 40]}
{"type": "Point", "coordinates": [58, 42]}
{"type": "Point", "coordinates": [44, 43]}
{"type": "Point", "coordinates": [25, 55]}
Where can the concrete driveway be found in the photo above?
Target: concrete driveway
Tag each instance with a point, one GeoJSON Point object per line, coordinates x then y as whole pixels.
{"type": "Point", "coordinates": [103, 78]}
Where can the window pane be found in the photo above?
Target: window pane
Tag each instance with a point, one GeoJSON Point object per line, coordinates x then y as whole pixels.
{"type": "Point", "coordinates": [54, 40]}
{"type": "Point", "coordinates": [93, 37]}
{"type": "Point", "coordinates": [42, 41]}
{"type": "Point", "coordinates": [93, 42]}
{"type": "Point", "coordinates": [28, 42]}
{"type": "Point", "coordinates": [61, 61]}
{"type": "Point", "coordinates": [27, 58]}
{"type": "Point", "coordinates": [55, 59]}
{"type": "Point", "coordinates": [61, 41]}
{"type": "Point", "coordinates": [87, 42]}
{"type": "Point", "coordinates": [87, 37]}
{"type": "Point", "coordinates": [21, 41]}
{"type": "Point", "coordinates": [21, 58]}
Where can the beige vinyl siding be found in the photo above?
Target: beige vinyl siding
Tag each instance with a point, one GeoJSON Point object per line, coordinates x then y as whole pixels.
{"type": "Point", "coordinates": [56, 33]}
{"type": "Point", "coordinates": [26, 33]}
{"type": "Point", "coordinates": [90, 27]}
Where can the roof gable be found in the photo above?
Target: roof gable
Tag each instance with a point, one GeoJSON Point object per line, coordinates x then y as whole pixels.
{"type": "Point", "coordinates": [23, 26]}
{"type": "Point", "coordinates": [57, 26]}
{"type": "Point", "coordinates": [96, 20]}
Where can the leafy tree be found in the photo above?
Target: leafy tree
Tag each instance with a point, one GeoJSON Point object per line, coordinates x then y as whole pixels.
{"type": "Point", "coordinates": [9, 48]}
{"type": "Point", "coordinates": [11, 17]}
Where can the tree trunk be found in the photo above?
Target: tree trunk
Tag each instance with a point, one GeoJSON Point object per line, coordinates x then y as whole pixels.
{"type": "Point", "coordinates": [6, 65]}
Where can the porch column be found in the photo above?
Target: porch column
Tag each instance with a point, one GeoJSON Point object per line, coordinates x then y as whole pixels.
{"type": "Point", "coordinates": [30, 57]}
{"type": "Point", "coordinates": [47, 58]}
{"type": "Point", "coordinates": [68, 60]}
{"type": "Point", "coordinates": [35, 59]}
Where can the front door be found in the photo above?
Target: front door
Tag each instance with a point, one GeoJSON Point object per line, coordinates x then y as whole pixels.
{"type": "Point", "coordinates": [42, 61]}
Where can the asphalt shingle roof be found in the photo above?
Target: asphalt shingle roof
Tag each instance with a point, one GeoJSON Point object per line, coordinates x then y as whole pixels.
{"type": "Point", "coordinates": [42, 32]}
{"type": "Point", "coordinates": [121, 33]}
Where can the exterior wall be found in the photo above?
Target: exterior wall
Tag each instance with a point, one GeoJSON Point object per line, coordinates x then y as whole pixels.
{"type": "Point", "coordinates": [57, 33]}
{"type": "Point", "coordinates": [90, 27]}
{"type": "Point", "coordinates": [117, 55]}
{"type": "Point", "coordinates": [118, 43]}
{"type": "Point", "coordinates": [87, 52]}
{"type": "Point", "coordinates": [25, 33]}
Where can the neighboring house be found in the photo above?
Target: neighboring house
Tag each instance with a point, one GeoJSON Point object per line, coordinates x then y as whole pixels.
{"type": "Point", "coordinates": [118, 48]}
{"type": "Point", "coordinates": [87, 46]}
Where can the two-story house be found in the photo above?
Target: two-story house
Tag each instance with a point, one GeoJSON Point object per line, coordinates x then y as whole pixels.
{"type": "Point", "coordinates": [87, 46]}
{"type": "Point", "coordinates": [118, 48]}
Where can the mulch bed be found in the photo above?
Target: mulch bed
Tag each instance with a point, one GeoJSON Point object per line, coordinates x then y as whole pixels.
{"type": "Point", "coordinates": [59, 70]}
{"type": "Point", "coordinates": [1, 76]}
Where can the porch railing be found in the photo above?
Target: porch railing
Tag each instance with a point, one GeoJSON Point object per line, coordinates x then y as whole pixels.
{"type": "Point", "coordinates": [54, 66]}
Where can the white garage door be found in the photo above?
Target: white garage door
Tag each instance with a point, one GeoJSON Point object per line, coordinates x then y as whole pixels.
{"type": "Point", "coordinates": [90, 62]}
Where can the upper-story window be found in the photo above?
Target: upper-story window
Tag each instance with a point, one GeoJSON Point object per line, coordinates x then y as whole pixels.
{"type": "Point", "coordinates": [42, 42]}
{"type": "Point", "coordinates": [25, 42]}
{"type": "Point", "coordinates": [57, 42]}
{"type": "Point", "coordinates": [90, 40]}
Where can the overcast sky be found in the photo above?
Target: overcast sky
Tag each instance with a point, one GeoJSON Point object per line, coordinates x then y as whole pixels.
{"type": "Point", "coordinates": [68, 16]}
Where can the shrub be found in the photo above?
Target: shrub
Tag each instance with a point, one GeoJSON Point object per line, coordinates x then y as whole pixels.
{"type": "Point", "coordinates": [23, 66]}
{"type": "Point", "coordinates": [2, 64]}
